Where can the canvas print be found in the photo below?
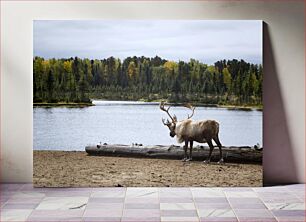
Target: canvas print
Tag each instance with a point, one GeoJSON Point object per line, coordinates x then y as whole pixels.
{"type": "Point", "coordinates": [168, 103]}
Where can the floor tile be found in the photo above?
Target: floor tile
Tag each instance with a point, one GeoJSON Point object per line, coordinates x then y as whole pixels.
{"type": "Point", "coordinates": [216, 213]}
{"type": "Point", "coordinates": [179, 219]}
{"type": "Point", "coordinates": [278, 189]}
{"type": "Point", "coordinates": [237, 189]}
{"type": "Point", "coordinates": [281, 200]}
{"type": "Point", "coordinates": [285, 206]}
{"type": "Point", "coordinates": [210, 200]}
{"type": "Point", "coordinates": [103, 213]}
{"type": "Point", "coordinates": [3, 200]}
{"type": "Point", "coordinates": [177, 206]}
{"type": "Point", "coordinates": [275, 197]}
{"type": "Point", "coordinates": [110, 194]}
{"type": "Point", "coordinates": [10, 186]}
{"type": "Point", "coordinates": [62, 203]}
{"type": "Point", "coordinates": [56, 213]}
{"type": "Point", "coordinates": [1, 205]}
{"type": "Point", "coordinates": [20, 206]}
{"type": "Point", "coordinates": [135, 192]}
{"type": "Point", "coordinates": [105, 200]}
{"type": "Point", "coordinates": [176, 199]}
{"type": "Point", "coordinates": [174, 189]}
{"type": "Point", "coordinates": [141, 213]}
{"type": "Point", "coordinates": [213, 206]}
{"type": "Point", "coordinates": [140, 219]}
{"type": "Point", "coordinates": [256, 219]}
{"type": "Point", "coordinates": [274, 192]}
{"type": "Point", "coordinates": [240, 194]}
{"type": "Point", "coordinates": [291, 219]}
{"type": "Point", "coordinates": [253, 213]}
{"type": "Point", "coordinates": [296, 186]}
{"type": "Point", "coordinates": [108, 188]}
{"type": "Point", "coordinates": [178, 213]}
{"type": "Point", "coordinates": [248, 206]}
{"type": "Point", "coordinates": [101, 219]}
{"type": "Point", "coordinates": [55, 219]}
{"type": "Point", "coordinates": [142, 200]}
{"type": "Point", "coordinates": [289, 213]}
{"type": "Point", "coordinates": [14, 215]}
{"type": "Point", "coordinates": [65, 189]}
{"type": "Point", "coordinates": [4, 193]}
{"type": "Point", "coordinates": [300, 195]}
{"type": "Point", "coordinates": [92, 205]}
{"type": "Point", "coordinates": [24, 200]}
{"type": "Point", "coordinates": [25, 194]}
{"type": "Point", "coordinates": [141, 206]}
{"type": "Point", "coordinates": [68, 193]}
{"type": "Point", "coordinates": [207, 192]}
{"type": "Point", "coordinates": [176, 192]}
{"type": "Point", "coordinates": [218, 219]}
{"type": "Point", "coordinates": [246, 200]}
{"type": "Point", "coordinates": [27, 187]}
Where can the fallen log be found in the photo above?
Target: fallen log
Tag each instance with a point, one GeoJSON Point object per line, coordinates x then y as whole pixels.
{"type": "Point", "coordinates": [244, 154]}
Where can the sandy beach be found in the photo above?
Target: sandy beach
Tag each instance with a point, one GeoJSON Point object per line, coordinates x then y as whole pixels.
{"type": "Point", "coordinates": [77, 169]}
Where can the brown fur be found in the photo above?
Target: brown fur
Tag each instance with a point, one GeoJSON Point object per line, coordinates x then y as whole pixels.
{"type": "Point", "coordinates": [189, 131]}
{"type": "Point", "coordinates": [199, 131]}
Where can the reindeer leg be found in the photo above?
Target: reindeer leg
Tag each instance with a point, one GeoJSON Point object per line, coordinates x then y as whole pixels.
{"type": "Point", "coordinates": [211, 147]}
{"type": "Point", "coordinates": [185, 151]}
{"type": "Point", "coordinates": [190, 156]}
{"type": "Point", "coordinates": [217, 141]}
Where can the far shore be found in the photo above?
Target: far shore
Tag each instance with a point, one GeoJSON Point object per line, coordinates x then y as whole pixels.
{"type": "Point", "coordinates": [77, 105]}
{"type": "Point", "coordinates": [77, 169]}
{"type": "Point", "coordinates": [65, 104]}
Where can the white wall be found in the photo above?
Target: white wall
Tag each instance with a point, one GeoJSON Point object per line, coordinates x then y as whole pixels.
{"type": "Point", "coordinates": [284, 71]}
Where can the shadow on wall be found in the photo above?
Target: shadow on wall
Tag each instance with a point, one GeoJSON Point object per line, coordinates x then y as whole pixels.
{"type": "Point", "coordinates": [278, 159]}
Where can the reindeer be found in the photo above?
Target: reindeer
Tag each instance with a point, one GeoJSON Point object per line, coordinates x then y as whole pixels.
{"type": "Point", "coordinates": [189, 130]}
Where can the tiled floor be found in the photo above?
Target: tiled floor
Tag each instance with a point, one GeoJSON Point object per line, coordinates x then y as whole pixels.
{"type": "Point", "coordinates": [22, 202]}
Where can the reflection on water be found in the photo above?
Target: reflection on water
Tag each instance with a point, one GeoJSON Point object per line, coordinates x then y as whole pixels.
{"type": "Point", "coordinates": [115, 122]}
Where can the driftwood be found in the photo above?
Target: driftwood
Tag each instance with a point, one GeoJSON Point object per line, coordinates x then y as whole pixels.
{"type": "Point", "coordinates": [243, 154]}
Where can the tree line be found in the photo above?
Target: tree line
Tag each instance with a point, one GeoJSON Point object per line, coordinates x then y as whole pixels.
{"type": "Point", "coordinates": [228, 82]}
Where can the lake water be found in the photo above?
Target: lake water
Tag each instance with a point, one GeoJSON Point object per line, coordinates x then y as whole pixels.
{"type": "Point", "coordinates": [114, 122]}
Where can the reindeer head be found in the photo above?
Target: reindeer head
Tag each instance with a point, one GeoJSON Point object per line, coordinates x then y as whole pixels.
{"type": "Point", "coordinates": [171, 125]}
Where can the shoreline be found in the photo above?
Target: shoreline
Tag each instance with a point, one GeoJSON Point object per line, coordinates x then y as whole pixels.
{"type": "Point", "coordinates": [228, 106]}
{"type": "Point", "coordinates": [62, 104]}
{"type": "Point", "coordinates": [78, 105]}
{"type": "Point", "coordinates": [77, 169]}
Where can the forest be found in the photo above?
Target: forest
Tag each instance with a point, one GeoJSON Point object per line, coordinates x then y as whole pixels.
{"type": "Point", "coordinates": [76, 80]}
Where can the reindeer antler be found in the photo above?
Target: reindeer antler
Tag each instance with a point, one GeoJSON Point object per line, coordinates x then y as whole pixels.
{"type": "Point", "coordinates": [162, 107]}
{"type": "Point", "coordinates": [189, 106]}
{"type": "Point", "coordinates": [166, 123]}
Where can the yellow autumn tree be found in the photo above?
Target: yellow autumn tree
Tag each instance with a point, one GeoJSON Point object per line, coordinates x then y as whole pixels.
{"type": "Point", "coordinates": [170, 66]}
{"type": "Point", "coordinates": [132, 70]}
{"type": "Point", "coordinates": [68, 66]}
{"type": "Point", "coordinates": [227, 78]}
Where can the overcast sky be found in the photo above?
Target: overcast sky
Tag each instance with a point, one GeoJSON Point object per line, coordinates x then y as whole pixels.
{"type": "Point", "coordinates": [204, 40]}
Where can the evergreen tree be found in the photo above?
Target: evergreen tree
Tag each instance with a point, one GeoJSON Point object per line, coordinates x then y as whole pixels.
{"type": "Point", "coordinates": [76, 80]}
